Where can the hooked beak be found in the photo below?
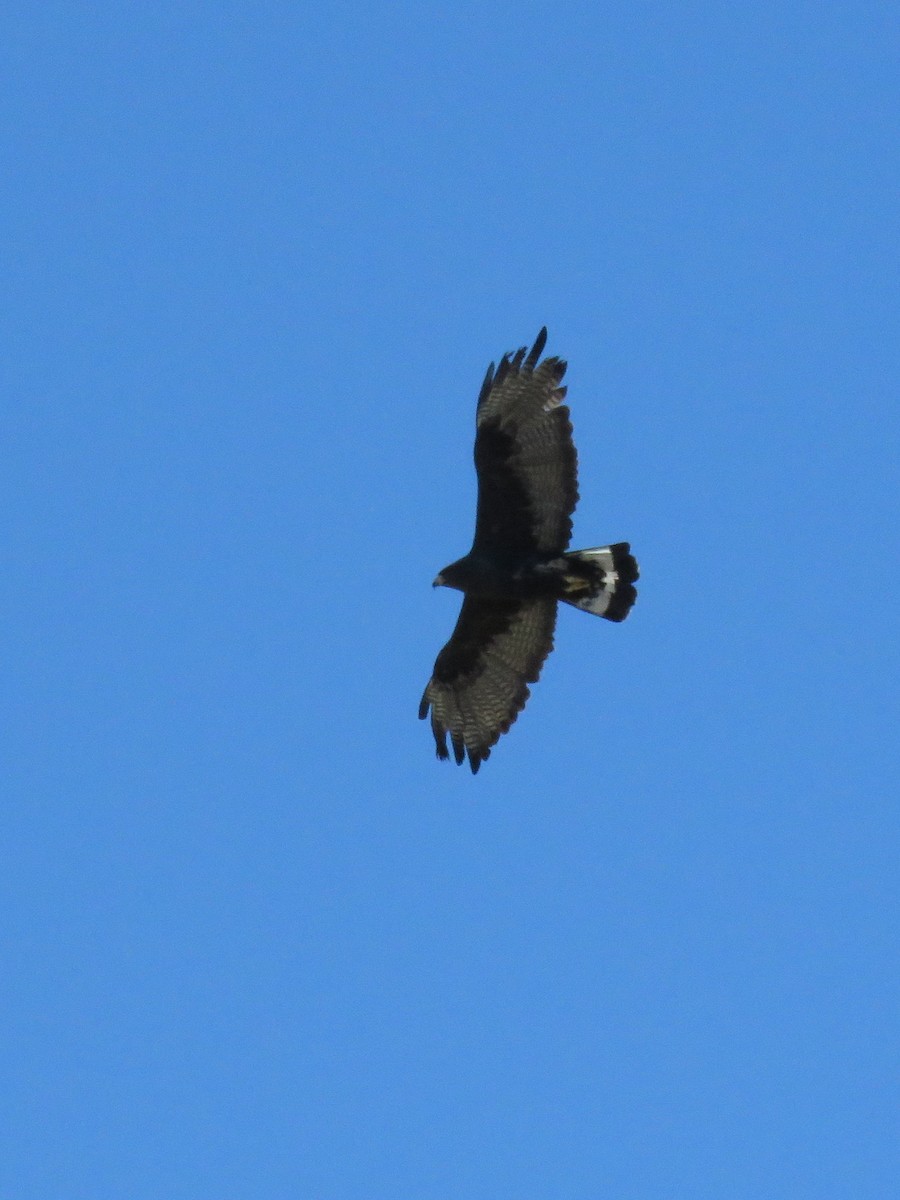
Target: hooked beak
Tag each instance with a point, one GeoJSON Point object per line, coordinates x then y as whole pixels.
{"type": "Point", "coordinates": [439, 582]}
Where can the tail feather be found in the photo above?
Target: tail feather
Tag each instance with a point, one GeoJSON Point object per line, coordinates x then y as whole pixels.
{"type": "Point", "coordinates": [601, 580]}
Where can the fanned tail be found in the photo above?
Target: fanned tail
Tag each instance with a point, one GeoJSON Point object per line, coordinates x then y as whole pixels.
{"type": "Point", "coordinates": [601, 580]}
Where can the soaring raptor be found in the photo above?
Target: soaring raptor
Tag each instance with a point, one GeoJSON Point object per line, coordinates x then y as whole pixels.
{"type": "Point", "coordinates": [519, 565]}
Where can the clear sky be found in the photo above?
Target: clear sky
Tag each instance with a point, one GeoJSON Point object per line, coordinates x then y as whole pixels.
{"type": "Point", "coordinates": [256, 941]}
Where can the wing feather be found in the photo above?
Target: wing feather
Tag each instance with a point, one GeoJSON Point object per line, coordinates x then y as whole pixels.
{"type": "Point", "coordinates": [525, 457]}
{"type": "Point", "coordinates": [481, 677]}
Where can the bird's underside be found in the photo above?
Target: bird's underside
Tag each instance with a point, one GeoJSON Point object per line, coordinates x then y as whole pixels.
{"type": "Point", "coordinates": [519, 567]}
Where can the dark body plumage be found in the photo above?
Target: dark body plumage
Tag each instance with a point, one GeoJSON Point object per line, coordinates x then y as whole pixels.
{"type": "Point", "coordinates": [518, 567]}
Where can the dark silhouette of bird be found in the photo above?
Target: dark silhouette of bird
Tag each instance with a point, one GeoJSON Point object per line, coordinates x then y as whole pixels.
{"type": "Point", "coordinates": [519, 566]}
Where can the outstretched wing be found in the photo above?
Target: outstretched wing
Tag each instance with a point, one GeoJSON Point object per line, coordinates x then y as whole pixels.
{"type": "Point", "coordinates": [525, 457]}
{"type": "Point", "coordinates": [481, 677]}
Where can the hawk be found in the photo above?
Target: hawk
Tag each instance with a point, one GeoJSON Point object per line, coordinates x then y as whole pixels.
{"type": "Point", "coordinates": [519, 566]}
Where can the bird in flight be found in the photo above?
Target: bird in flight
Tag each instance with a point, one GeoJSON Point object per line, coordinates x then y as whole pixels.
{"type": "Point", "coordinates": [519, 566]}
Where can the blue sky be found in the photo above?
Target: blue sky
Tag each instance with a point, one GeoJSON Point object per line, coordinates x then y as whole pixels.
{"type": "Point", "coordinates": [256, 940]}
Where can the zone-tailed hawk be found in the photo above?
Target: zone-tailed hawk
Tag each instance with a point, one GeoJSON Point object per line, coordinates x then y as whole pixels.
{"type": "Point", "coordinates": [518, 567]}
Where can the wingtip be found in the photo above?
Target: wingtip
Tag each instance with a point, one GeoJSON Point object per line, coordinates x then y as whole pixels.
{"type": "Point", "coordinates": [486, 386]}
{"type": "Point", "coordinates": [537, 349]}
{"type": "Point", "coordinates": [476, 758]}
